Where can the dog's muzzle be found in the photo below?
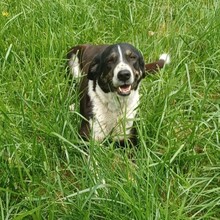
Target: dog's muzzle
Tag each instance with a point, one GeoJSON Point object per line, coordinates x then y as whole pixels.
{"type": "Point", "coordinates": [124, 81]}
{"type": "Point", "coordinates": [124, 75]}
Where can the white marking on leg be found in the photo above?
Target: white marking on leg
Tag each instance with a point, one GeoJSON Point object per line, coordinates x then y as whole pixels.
{"type": "Point", "coordinates": [75, 66]}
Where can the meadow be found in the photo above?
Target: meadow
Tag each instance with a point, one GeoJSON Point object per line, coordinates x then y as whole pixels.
{"type": "Point", "coordinates": [48, 172]}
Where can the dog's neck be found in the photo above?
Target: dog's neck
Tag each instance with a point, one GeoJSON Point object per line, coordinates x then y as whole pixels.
{"type": "Point", "coordinates": [112, 114]}
{"type": "Point", "coordinates": [111, 100]}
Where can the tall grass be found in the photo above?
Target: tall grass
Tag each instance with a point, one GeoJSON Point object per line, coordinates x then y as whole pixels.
{"type": "Point", "coordinates": [47, 172]}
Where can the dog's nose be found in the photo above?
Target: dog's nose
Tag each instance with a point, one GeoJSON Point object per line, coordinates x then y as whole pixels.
{"type": "Point", "coordinates": [124, 75]}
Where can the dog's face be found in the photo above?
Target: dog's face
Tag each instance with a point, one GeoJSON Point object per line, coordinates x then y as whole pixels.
{"type": "Point", "coordinates": [119, 68]}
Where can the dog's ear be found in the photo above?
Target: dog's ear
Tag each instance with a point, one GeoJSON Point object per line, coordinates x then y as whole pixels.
{"type": "Point", "coordinates": [94, 68]}
{"type": "Point", "coordinates": [141, 64]}
{"type": "Point", "coordinates": [157, 65]}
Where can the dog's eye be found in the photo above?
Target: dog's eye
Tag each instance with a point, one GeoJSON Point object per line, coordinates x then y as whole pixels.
{"type": "Point", "coordinates": [132, 56]}
{"type": "Point", "coordinates": [110, 60]}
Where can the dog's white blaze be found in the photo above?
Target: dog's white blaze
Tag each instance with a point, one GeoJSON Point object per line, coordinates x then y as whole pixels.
{"type": "Point", "coordinates": [120, 54]}
{"type": "Point", "coordinates": [121, 66]}
{"type": "Point", "coordinates": [75, 66]}
{"type": "Point", "coordinates": [112, 114]}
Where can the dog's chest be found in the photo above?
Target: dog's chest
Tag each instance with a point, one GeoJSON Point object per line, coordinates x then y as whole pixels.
{"type": "Point", "coordinates": [112, 115]}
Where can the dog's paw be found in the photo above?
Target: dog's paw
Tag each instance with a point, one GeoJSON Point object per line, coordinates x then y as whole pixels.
{"type": "Point", "coordinates": [72, 107]}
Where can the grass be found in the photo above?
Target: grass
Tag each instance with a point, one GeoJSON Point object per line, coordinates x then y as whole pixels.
{"type": "Point", "coordinates": [45, 171]}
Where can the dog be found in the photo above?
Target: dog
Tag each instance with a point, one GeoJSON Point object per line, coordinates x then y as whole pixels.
{"type": "Point", "coordinates": [110, 77]}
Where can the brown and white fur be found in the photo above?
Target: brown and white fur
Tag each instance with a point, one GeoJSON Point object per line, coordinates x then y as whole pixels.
{"type": "Point", "coordinates": [109, 88]}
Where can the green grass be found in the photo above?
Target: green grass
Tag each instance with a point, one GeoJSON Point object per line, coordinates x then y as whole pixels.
{"type": "Point", "coordinates": [45, 171]}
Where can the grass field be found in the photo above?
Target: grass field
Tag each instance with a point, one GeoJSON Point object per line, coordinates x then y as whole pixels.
{"type": "Point", "coordinates": [45, 171]}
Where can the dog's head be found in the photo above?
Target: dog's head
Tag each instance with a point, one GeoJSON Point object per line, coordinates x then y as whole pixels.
{"type": "Point", "coordinates": [119, 68]}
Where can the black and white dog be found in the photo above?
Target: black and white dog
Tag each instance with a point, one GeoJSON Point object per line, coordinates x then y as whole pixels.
{"type": "Point", "coordinates": [109, 88]}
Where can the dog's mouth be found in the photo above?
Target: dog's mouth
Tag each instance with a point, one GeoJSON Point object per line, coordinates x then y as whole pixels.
{"type": "Point", "coordinates": [124, 90]}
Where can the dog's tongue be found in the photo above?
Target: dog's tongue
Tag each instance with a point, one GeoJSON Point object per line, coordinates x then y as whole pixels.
{"type": "Point", "coordinates": [125, 89]}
